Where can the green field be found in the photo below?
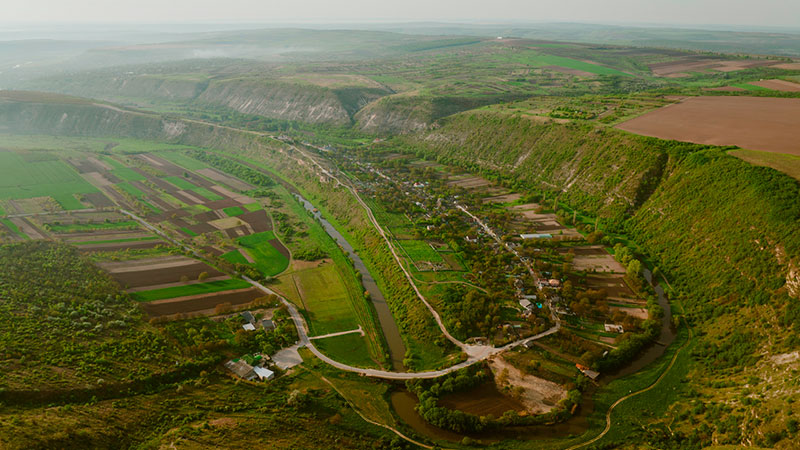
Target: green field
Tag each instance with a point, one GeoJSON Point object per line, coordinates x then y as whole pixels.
{"type": "Point", "coordinates": [189, 232]}
{"type": "Point", "coordinates": [267, 259]}
{"type": "Point", "coordinates": [233, 211]}
{"type": "Point", "coordinates": [420, 251]}
{"type": "Point", "coordinates": [116, 241]}
{"type": "Point", "coordinates": [128, 174]}
{"type": "Point", "coordinates": [51, 178]}
{"type": "Point", "coordinates": [751, 87]}
{"type": "Point", "coordinates": [73, 227]}
{"type": "Point", "coordinates": [235, 257]}
{"type": "Point", "coordinates": [182, 160]}
{"type": "Point", "coordinates": [324, 299]}
{"type": "Point", "coordinates": [180, 183]}
{"type": "Point", "coordinates": [192, 289]}
{"type": "Point", "coordinates": [136, 192]}
{"type": "Point", "coordinates": [14, 228]}
{"type": "Point", "coordinates": [536, 59]}
{"type": "Point", "coordinates": [349, 349]}
{"type": "Point", "coordinates": [213, 196]}
{"type": "Point", "coordinates": [255, 206]}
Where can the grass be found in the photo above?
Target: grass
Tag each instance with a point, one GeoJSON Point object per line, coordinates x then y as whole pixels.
{"type": "Point", "coordinates": [536, 59]}
{"type": "Point", "coordinates": [235, 257]}
{"type": "Point", "coordinates": [322, 295]}
{"type": "Point", "coordinates": [21, 179]}
{"type": "Point", "coordinates": [181, 183]}
{"type": "Point", "coordinates": [131, 189]}
{"type": "Point", "coordinates": [788, 164]}
{"type": "Point", "coordinates": [267, 258]}
{"type": "Point", "coordinates": [751, 87]}
{"type": "Point", "coordinates": [128, 174]}
{"type": "Point", "coordinates": [233, 211]}
{"type": "Point", "coordinates": [349, 349]}
{"type": "Point", "coordinates": [116, 241]}
{"type": "Point", "coordinates": [189, 232]}
{"type": "Point", "coordinates": [255, 206]}
{"type": "Point", "coordinates": [208, 194]}
{"type": "Point", "coordinates": [420, 251]}
{"type": "Point", "coordinates": [14, 228]}
{"type": "Point", "coordinates": [182, 160]}
{"type": "Point", "coordinates": [73, 227]}
{"type": "Point", "coordinates": [192, 289]}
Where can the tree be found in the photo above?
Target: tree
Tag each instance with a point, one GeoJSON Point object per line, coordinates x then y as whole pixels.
{"type": "Point", "coordinates": [203, 276]}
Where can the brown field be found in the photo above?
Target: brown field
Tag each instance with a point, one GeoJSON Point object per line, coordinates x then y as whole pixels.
{"type": "Point", "coordinates": [681, 67]}
{"type": "Point", "coordinates": [103, 235]}
{"type": "Point", "coordinates": [280, 248]}
{"type": "Point", "coordinates": [198, 303]}
{"type": "Point", "coordinates": [507, 198]}
{"type": "Point", "coordinates": [789, 66]}
{"type": "Point", "coordinates": [614, 285]}
{"type": "Point", "coordinates": [778, 85]}
{"type": "Point", "coordinates": [98, 200]}
{"type": "Point", "coordinates": [157, 271]}
{"type": "Point", "coordinates": [224, 178]}
{"type": "Point", "coordinates": [28, 228]}
{"type": "Point", "coordinates": [111, 247]}
{"type": "Point", "coordinates": [470, 183]}
{"type": "Point", "coordinates": [594, 258]}
{"type": "Point", "coordinates": [257, 220]}
{"type": "Point", "coordinates": [755, 123]}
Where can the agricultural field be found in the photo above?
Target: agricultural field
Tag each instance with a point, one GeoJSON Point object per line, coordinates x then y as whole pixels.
{"type": "Point", "coordinates": [753, 123]}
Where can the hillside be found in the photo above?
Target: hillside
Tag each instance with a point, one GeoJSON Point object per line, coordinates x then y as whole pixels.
{"type": "Point", "coordinates": [722, 231]}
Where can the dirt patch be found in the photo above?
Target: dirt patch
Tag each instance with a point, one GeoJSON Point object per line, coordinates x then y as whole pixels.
{"type": "Point", "coordinates": [197, 303]}
{"type": "Point", "coordinates": [227, 223]}
{"type": "Point", "coordinates": [157, 276]}
{"type": "Point", "coordinates": [470, 183]}
{"type": "Point", "coordinates": [539, 395]}
{"type": "Point", "coordinates": [298, 265]}
{"type": "Point", "coordinates": [280, 248]}
{"type": "Point", "coordinates": [755, 123]}
{"type": "Point", "coordinates": [189, 197]}
{"type": "Point", "coordinates": [788, 66]}
{"type": "Point", "coordinates": [507, 198]}
{"type": "Point", "coordinates": [220, 177]}
{"type": "Point", "coordinates": [27, 228]}
{"type": "Point", "coordinates": [778, 85]}
{"type": "Point", "coordinates": [639, 313]}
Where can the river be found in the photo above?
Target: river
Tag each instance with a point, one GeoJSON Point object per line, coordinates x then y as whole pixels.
{"type": "Point", "coordinates": [397, 349]}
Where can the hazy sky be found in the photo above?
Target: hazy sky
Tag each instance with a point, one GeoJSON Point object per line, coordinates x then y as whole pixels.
{"type": "Point", "coordinates": [723, 12]}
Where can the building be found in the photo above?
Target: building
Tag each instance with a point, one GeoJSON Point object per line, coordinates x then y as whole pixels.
{"type": "Point", "coordinates": [267, 325]}
{"type": "Point", "coordinates": [525, 304]}
{"type": "Point", "coordinates": [554, 282]}
{"type": "Point", "coordinates": [263, 373]}
{"type": "Point", "coordinates": [241, 369]}
{"type": "Point", "coordinates": [249, 327]}
{"type": "Point", "coordinates": [248, 316]}
{"type": "Point", "coordinates": [613, 328]}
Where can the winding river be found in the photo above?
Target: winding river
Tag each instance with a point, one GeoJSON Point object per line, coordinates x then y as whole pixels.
{"type": "Point", "coordinates": [397, 349]}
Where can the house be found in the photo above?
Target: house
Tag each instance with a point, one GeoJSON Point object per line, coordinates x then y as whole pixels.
{"type": "Point", "coordinates": [248, 316]}
{"type": "Point", "coordinates": [241, 369]}
{"type": "Point", "coordinates": [525, 304]}
{"type": "Point", "coordinates": [249, 327]}
{"type": "Point", "coordinates": [588, 372]}
{"type": "Point", "coordinates": [263, 373]}
{"type": "Point", "coordinates": [554, 282]}
{"type": "Point", "coordinates": [613, 328]}
{"type": "Point", "coordinates": [267, 325]}
{"type": "Point", "coordinates": [536, 236]}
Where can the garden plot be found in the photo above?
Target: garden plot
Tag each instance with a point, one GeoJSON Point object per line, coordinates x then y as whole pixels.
{"type": "Point", "coordinates": [226, 179]}
{"type": "Point", "coordinates": [201, 304]}
{"type": "Point", "coordinates": [613, 284]}
{"type": "Point", "coordinates": [593, 258]}
{"type": "Point", "coordinates": [152, 273]}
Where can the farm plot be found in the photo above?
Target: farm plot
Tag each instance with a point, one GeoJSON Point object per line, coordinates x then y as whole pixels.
{"type": "Point", "coordinates": [322, 294]}
{"type": "Point", "coordinates": [593, 258]}
{"type": "Point", "coordinates": [225, 179]}
{"type": "Point", "coordinates": [137, 275]}
{"type": "Point", "coordinates": [755, 123]}
{"type": "Point", "coordinates": [190, 290]}
{"type": "Point", "coordinates": [270, 255]}
{"type": "Point", "coordinates": [778, 85]}
{"type": "Point", "coordinates": [20, 179]}
{"type": "Point", "coordinates": [613, 284]}
{"type": "Point", "coordinates": [201, 304]}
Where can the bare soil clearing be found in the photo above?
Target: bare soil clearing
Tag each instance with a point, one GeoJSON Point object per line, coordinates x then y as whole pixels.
{"type": "Point", "coordinates": [539, 395]}
{"type": "Point", "coordinates": [595, 258]}
{"type": "Point", "coordinates": [755, 123]}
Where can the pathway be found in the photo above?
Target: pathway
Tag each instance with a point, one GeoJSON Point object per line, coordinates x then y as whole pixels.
{"type": "Point", "coordinates": [341, 333]}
